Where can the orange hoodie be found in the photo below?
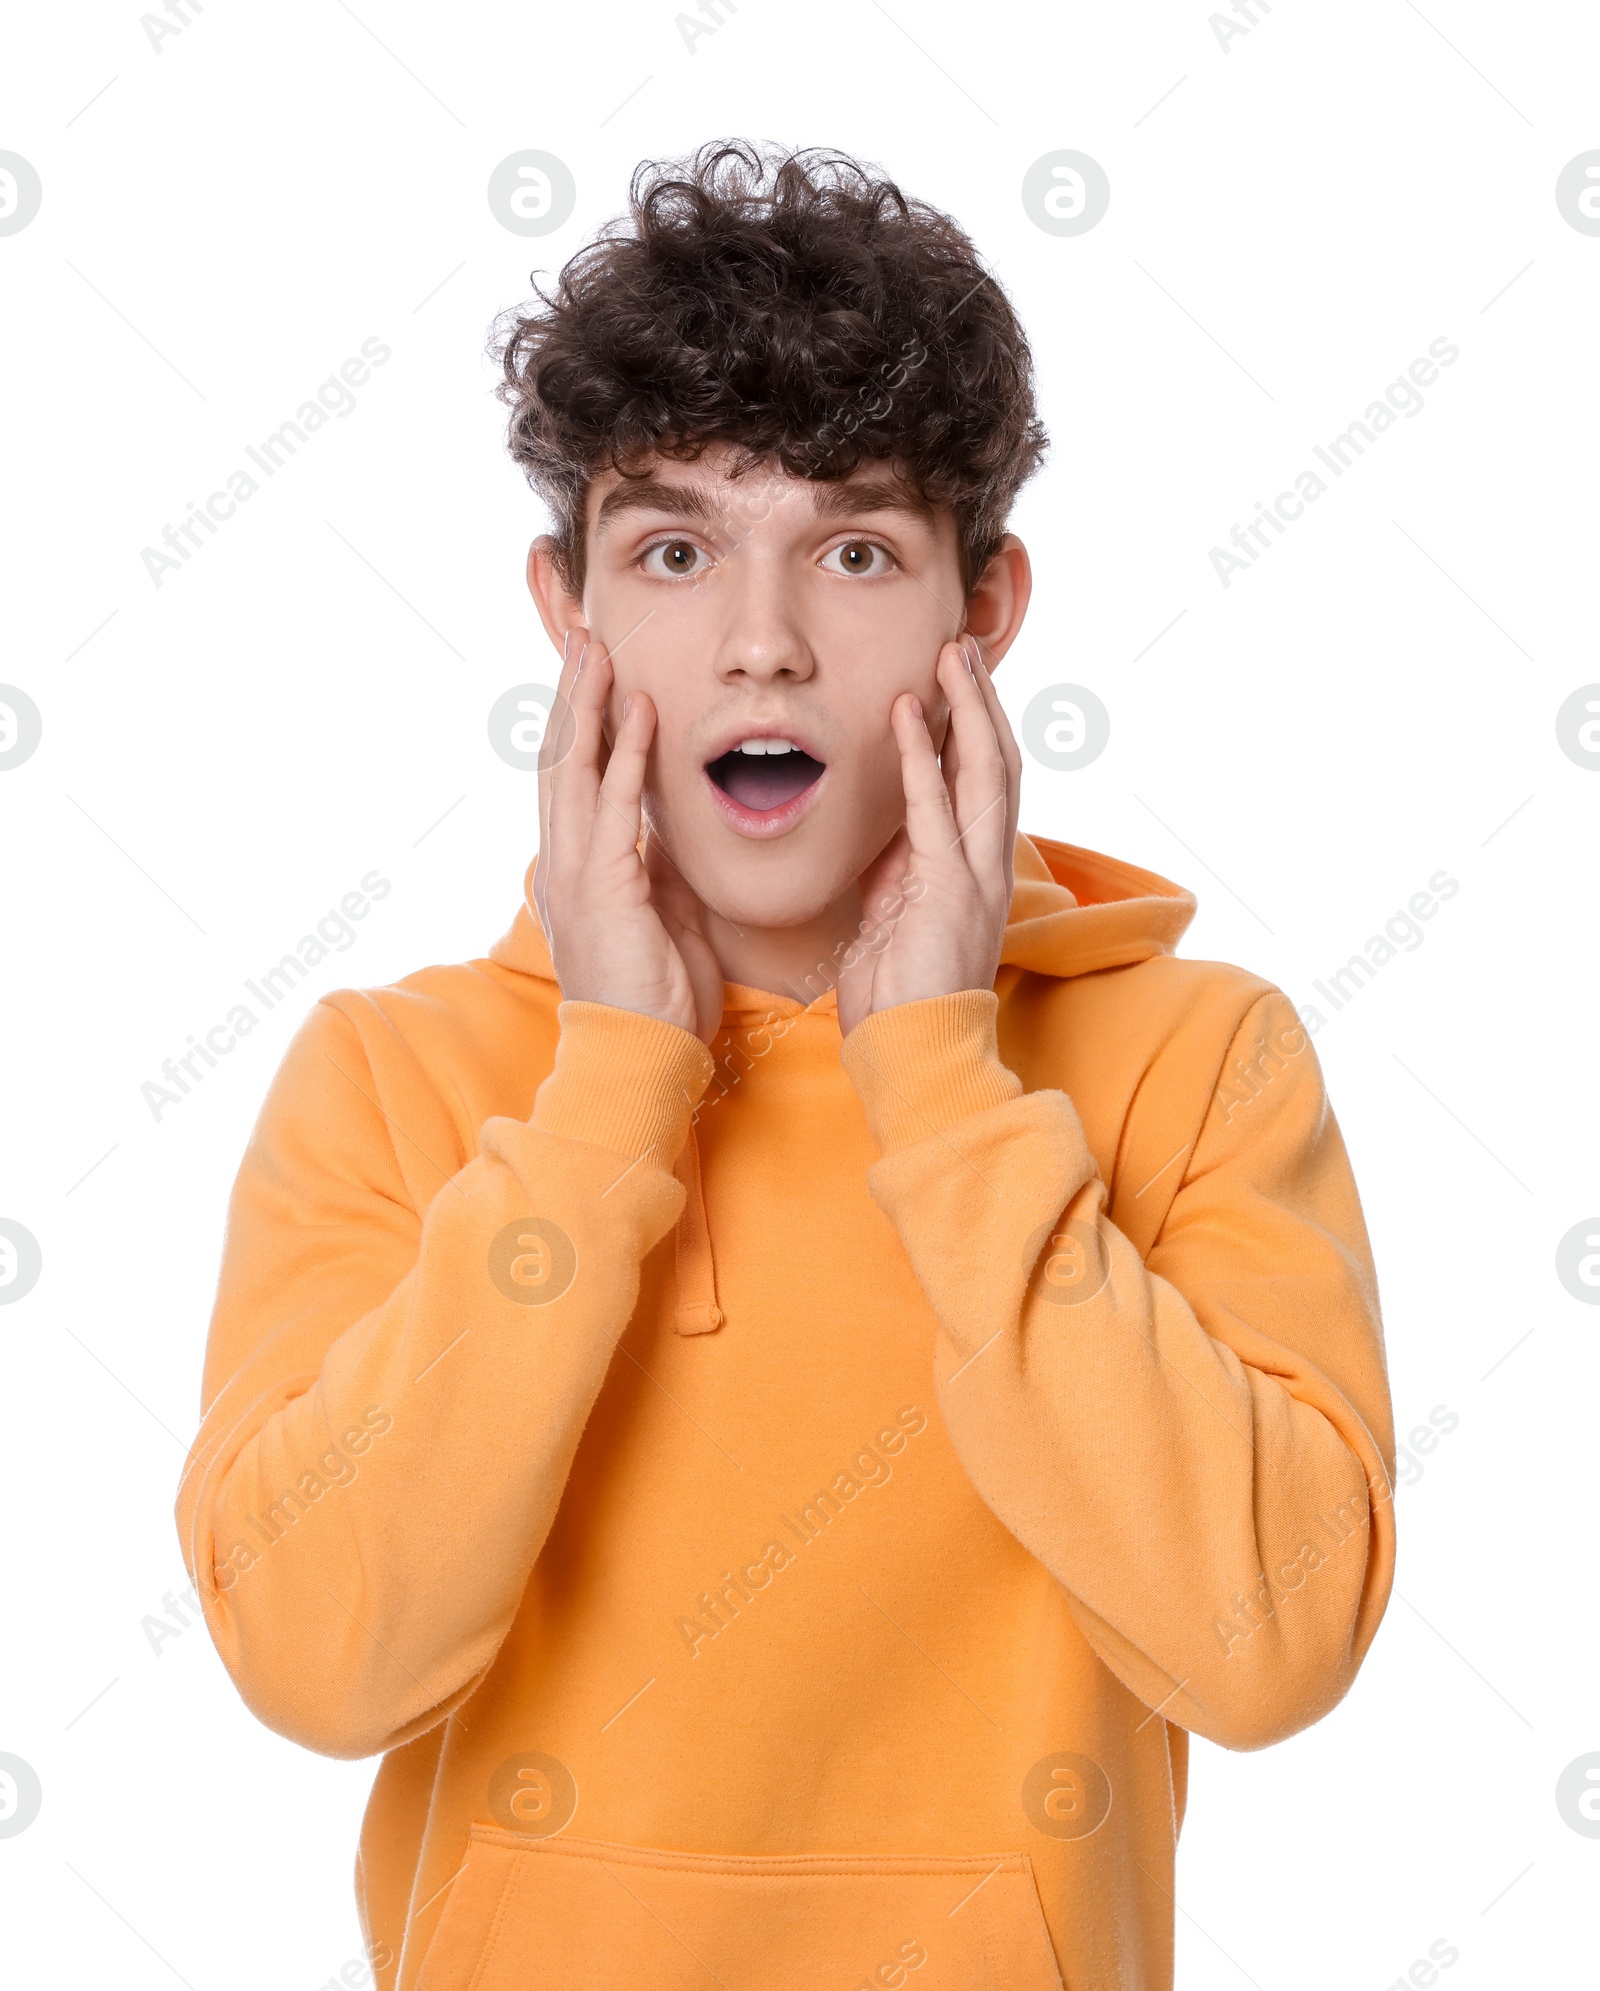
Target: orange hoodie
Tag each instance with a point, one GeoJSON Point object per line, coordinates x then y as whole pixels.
{"type": "Point", "coordinates": [779, 1509]}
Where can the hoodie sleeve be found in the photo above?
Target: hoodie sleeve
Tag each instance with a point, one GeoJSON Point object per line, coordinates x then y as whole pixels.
{"type": "Point", "coordinates": [394, 1395]}
{"type": "Point", "coordinates": [1197, 1443]}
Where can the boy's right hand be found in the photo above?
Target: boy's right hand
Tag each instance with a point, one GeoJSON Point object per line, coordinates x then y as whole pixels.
{"type": "Point", "coordinates": [623, 927]}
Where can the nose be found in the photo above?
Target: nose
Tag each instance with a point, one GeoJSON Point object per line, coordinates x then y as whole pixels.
{"type": "Point", "coordinates": [762, 638]}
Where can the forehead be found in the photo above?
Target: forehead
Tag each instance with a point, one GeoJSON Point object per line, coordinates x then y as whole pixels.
{"type": "Point", "coordinates": [713, 489]}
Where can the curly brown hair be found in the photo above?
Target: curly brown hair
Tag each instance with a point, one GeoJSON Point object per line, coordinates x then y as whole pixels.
{"type": "Point", "coordinates": [793, 304]}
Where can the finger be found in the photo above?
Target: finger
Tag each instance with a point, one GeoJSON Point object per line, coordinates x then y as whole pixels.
{"type": "Point", "coordinates": [949, 746]}
{"type": "Point", "coordinates": [982, 787]}
{"type": "Point", "coordinates": [881, 888]}
{"type": "Point", "coordinates": [619, 816]}
{"type": "Point", "coordinates": [929, 821]}
{"type": "Point", "coordinates": [555, 745]}
{"type": "Point", "coordinates": [571, 648]}
{"type": "Point", "coordinates": [1009, 749]}
{"type": "Point", "coordinates": [560, 731]}
{"type": "Point", "coordinates": [984, 679]}
{"type": "Point", "coordinates": [574, 779]}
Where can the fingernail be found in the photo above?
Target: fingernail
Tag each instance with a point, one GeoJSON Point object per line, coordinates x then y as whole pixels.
{"type": "Point", "coordinates": [916, 706]}
{"type": "Point", "coordinates": [626, 704]}
{"type": "Point", "coordinates": [583, 658]}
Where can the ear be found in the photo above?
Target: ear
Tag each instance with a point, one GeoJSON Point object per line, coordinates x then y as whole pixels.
{"type": "Point", "coordinates": [999, 600]}
{"type": "Point", "coordinates": [559, 611]}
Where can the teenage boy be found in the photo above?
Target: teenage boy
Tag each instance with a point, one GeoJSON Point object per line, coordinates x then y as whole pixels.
{"type": "Point", "coordinates": [779, 1397]}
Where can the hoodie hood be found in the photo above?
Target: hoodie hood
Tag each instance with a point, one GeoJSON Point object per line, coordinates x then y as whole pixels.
{"type": "Point", "coordinates": [1073, 911]}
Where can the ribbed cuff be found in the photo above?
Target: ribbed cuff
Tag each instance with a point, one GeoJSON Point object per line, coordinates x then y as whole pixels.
{"type": "Point", "coordinates": [623, 1081]}
{"type": "Point", "coordinates": [919, 1067]}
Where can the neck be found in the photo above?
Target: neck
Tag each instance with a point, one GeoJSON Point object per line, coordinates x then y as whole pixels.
{"type": "Point", "coordinates": [801, 962]}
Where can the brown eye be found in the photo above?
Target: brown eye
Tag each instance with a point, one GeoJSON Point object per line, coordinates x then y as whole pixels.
{"type": "Point", "coordinates": [673, 559]}
{"type": "Point", "coordinates": [858, 556]}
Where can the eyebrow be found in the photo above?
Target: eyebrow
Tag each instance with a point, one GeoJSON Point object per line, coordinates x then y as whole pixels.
{"type": "Point", "coordinates": [833, 499]}
{"type": "Point", "coordinates": [656, 494]}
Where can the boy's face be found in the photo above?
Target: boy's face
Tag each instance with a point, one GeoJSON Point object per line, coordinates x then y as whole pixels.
{"type": "Point", "coordinates": [776, 609]}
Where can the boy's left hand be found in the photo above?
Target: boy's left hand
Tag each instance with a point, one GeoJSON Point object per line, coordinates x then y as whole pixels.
{"type": "Point", "coordinates": [940, 892]}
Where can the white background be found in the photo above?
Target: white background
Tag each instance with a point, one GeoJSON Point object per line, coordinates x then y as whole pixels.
{"type": "Point", "coordinates": [1374, 700]}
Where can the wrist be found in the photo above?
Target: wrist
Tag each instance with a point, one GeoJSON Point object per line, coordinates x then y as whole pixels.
{"type": "Point", "coordinates": [675, 1016]}
{"type": "Point", "coordinates": [622, 1079]}
{"type": "Point", "coordinates": [923, 1065]}
{"type": "Point", "coordinates": [933, 982]}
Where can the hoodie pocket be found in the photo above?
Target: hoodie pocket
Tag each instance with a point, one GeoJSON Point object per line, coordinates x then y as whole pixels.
{"type": "Point", "coordinates": [582, 1915]}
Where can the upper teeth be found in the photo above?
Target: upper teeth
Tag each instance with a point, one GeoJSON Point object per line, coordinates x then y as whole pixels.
{"type": "Point", "coordinates": [766, 747]}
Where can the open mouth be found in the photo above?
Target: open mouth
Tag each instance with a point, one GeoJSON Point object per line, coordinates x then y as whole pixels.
{"type": "Point", "coordinates": [765, 778]}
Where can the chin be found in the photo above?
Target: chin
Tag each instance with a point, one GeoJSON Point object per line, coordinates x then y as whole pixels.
{"type": "Point", "coordinates": [774, 891]}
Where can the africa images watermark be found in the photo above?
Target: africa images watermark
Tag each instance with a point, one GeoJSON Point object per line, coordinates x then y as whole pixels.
{"type": "Point", "coordinates": [1403, 396]}
{"type": "Point", "coordinates": [718, 1605]}
{"type": "Point", "coordinates": [333, 1468]}
{"type": "Point", "coordinates": [1252, 1071]}
{"type": "Point", "coordinates": [1246, 16]}
{"type": "Point", "coordinates": [1342, 1525]}
{"type": "Point", "coordinates": [360, 1970]}
{"type": "Point", "coordinates": [891, 1974]}
{"type": "Point", "coordinates": [334, 934]}
{"type": "Point", "coordinates": [1423, 1438]}
{"type": "Point", "coordinates": [333, 400]}
{"type": "Point", "coordinates": [873, 399]}
{"type": "Point", "coordinates": [711, 13]}
{"type": "Point", "coordinates": [158, 1630]}
{"type": "Point", "coordinates": [1248, 1076]}
{"type": "Point", "coordinates": [179, 15]}
{"type": "Point", "coordinates": [1401, 934]}
{"type": "Point", "coordinates": [1442, 1953]}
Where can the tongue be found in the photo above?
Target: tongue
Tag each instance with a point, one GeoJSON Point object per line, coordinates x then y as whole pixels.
{"type": "Point", "coordinates": [764, 781]}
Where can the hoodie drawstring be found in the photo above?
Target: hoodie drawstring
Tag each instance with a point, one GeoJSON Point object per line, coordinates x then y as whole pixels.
{"type": "Point", "coordinates": [697, 1309]}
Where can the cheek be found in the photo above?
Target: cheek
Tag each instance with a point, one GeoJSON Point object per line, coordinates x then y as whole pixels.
{"type": "Point", "coordinates": [876, 792]}
{"type": "Point", "coordinates": [892, 637]}
{"type": "Point", "coordinates": [672, 772]}
{"type": "Point", "coordinates": [659, 670]}
{"type": "Point", "coordinates": [893, 648]}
